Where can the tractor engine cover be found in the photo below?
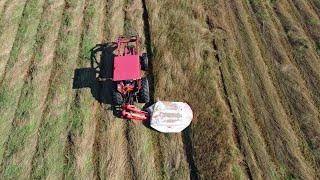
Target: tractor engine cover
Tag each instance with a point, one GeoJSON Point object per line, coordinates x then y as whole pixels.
{"type": "Point", "coordinates": [170, 117]}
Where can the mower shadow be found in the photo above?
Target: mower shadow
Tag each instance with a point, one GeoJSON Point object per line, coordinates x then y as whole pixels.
{"type": "Point", "coordinates": [98, 76]}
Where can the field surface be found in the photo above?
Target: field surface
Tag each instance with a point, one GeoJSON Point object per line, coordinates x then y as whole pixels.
{"type": "Point", "coordinates": [250, 70]}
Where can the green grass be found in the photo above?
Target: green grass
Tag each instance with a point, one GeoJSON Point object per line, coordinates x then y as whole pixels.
{"type": "Point", "coordinates": [54, 126]}
{"type": "Point", "coordinates": [9, 96]}
{"type": "Point", "coordinates": [237, 172]}
{"type": "Point", "coordinates": [313, 21]}
{"type": "Point", "coordinates": [318, 46]}
{"type": "Point", "coordinates": [30, 15]}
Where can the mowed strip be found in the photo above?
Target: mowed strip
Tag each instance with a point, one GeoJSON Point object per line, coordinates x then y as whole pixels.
{"type": "Point", "coordinates": [294, 94]}
{"type": "Point", "coordinates": [48, 159]}
{"type": "Point", "coordinates": [110, 149]}
{"type": "Point", "coordinates": [141, 151]}
{"type": "Point", "coordinates": [78, 149]}
{"type": "Point", "coordinates": [305, 58]}
{"type": "Point", "coordinates": [309, 20]}
{"type": "Point", "coordinates": [21, 141]}
{"type": "Point", "coordinates": [251, 144]}
{"type": "Point", "coordinates": [271, 117]}
{"type": "Point", "coordinates": [20, 58]}
{"type": "Point", "coordinates": [9, 24]}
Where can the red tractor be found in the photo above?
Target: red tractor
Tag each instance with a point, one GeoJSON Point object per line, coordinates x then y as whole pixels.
{"type": "Point", "coordinates": [130, 86]}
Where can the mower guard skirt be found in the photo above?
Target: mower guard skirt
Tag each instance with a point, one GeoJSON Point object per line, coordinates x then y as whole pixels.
{"type": "Point", "coordinates": [170, 117]}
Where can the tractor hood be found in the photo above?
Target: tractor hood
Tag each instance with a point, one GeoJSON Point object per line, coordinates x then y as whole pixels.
{"type": "Point", "coordinates": [170, 117]}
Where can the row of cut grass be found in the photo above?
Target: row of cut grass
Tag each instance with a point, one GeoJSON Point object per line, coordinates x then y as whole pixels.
{"type": "Point", "coordinates": [140, 141]}
{"type": "Point", "coordinates": [111, 149]}
{"type": "Point", "coordinates": [9, 24]}
{"type": "Point", "coordinates": [48, 159]}
{"type": "Point", "coordinates": [271, 117]}
{"type": "Point", "coordinates": [294, 94]}
{"type": "Point", "coordinates": [12, 85]}
{"type": "Point", "coordinates": [78, 163]}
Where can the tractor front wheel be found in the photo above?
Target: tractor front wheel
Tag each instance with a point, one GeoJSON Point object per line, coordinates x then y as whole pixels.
{"type": "Point", "coordinates": [117, 98]}
{"type": "Point", "coordinates": [143, 95]}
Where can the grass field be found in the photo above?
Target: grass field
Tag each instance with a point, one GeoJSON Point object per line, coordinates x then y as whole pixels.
{"type": "Point", "coordinates": [250, 70]}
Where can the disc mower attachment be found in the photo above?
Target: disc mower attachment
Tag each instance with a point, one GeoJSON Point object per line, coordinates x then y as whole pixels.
{"type": "Point", "coordinates": [170, 117]}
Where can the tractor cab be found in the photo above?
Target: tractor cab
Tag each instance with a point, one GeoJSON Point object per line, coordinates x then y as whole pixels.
{"type": "Point", "coordinates": [127, 60]}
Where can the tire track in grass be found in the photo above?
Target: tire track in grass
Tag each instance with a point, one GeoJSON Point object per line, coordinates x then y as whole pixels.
{"type": "Point", "coordinates": [224, 84]}
{"type": "Point", "coordinates": [19, 61]}
{"type": "Point", "coordinates": [293, 93]}
{"type": "Point", "coordinates": [11, 21]}
{"type": "Point", "coordinates": [47, 161]}
{"type": "Point", "coordinates": [96, 147]}
{"type": "Point", "coordinates": [266, 104]}
{"type": "Point", "coordinates": [79, 144]}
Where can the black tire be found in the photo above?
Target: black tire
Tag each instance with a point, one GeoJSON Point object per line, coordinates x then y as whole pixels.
{"type": "Point", "coordinates": [144, 62]}
{"type": "Point", "coordinates": [117, 98]}
{"type": "Point", "coordinates": [143, 94]}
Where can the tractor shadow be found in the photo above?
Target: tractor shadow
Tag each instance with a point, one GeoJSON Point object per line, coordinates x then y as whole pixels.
{"type": "Point", "coordinates": [98, 77]}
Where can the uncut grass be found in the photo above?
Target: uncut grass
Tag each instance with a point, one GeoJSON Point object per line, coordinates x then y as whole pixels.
{"type": "Point", "coordinates": [140, 139]}
{"type": "Point", "coordinates": [80, 131]}
{"type": "Point", "coordinates": [278, 133]}
{"type": "Point", "coordinates": [294, 94]}
{"type": "Point", "coordinates": [251, 141]}
{"type": "Point", "coordinates": [185, 69]}
{"type": "Point", "coordinates": [17, 69]}
{"type": "Point", "coordinates": [20, 143]}
{"type": "Point", "coordinates": [9, 24]}
{"type": "Point", "coordinates": [48, 159]}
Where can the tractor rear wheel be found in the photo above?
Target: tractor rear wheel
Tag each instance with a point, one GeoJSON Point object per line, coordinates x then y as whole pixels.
{"type": "Point", "coordinates": [117, 98]}
{"type": "Point", "coordinates": [144, 62]}
{"type": "Point", "coordinates": [143, 95]}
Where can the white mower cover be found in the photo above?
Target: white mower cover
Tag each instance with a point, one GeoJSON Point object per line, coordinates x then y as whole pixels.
{"type": "Point", "coordinates": [170, 117]}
